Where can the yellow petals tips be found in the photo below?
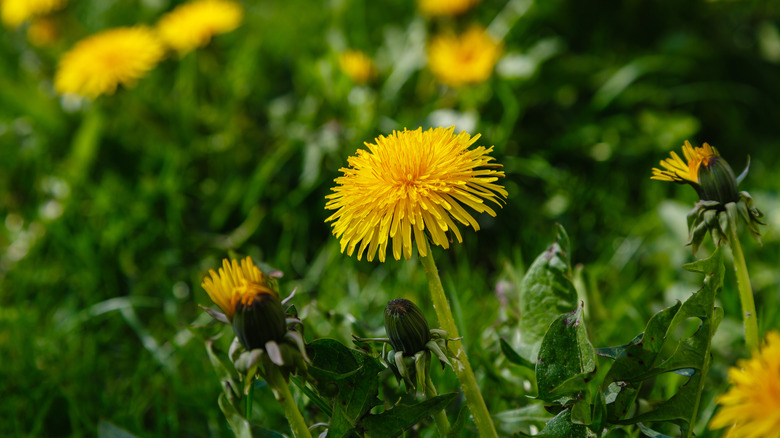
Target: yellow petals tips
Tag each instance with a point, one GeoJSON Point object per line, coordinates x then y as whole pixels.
{"type": "Point", "coordinates": [409, 185]}
{"type": "Point", "coordinates": [677, 170]}
{"type": "Point", "coordinates": [751, 407]}
{"type": "Point", "coordinates": [465, 59]}
{"type": "Point", "coordinates": [98, 64]}
{"type": "Point", "coordinates": [235, 284]}
{"type": "Point", "coordinates": [192, 24]}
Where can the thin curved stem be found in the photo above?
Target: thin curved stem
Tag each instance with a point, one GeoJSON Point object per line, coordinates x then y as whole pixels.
{"type": "Point", "coordinates": [442, 423]}
{"type": "Point", "coordinates": [749, 315]}
{"type": "Point", "coordinates": [462, 366]}
{"type": "Point", "coordinates": [283, 395]}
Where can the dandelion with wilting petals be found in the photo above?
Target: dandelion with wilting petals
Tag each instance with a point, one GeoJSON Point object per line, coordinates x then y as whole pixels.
{"type": "Point", "coordinates": [751, 407]}
{"type": "Point", "coordinates": [445, 7]}
{"type": "Point", "coordinates": [410, 182]}
{"type": "Point", "coordinates": [16, 12]}
{"type": "Point", "coordinates": [192, 24]}
{"type": "Point", "coordinates": [98, 64]}
{"type": "Point", "coordinates": [469, 58]}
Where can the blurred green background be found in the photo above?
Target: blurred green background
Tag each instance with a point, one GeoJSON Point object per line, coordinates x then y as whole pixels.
{"type": "Point", "coordinates": [113, 211]}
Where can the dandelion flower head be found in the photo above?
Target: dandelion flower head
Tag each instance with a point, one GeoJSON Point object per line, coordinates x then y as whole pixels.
{"type": "Point", "coordinates": [43, 31]}
{"type": "Point", "coordinates": [192, 24]}
{"type": "Point", "coordinates": [469, 58]}
{"type": "Point", "coordinates": [16, 12]}
{"type": "Point", "coordinates": [411, 184]}
{"type": "Point", "coordinates": [686, 171]}
{"type": "Point", "coordinates": [751, 407]}
{"type": "Point", "coordinates": [98, 64]}
{"type": "Point", "coordinates": [357, 65]}
{"type": "Point", "coordinates": [433, 8]}
{"type": "Point", "coordinates": [236, 283]}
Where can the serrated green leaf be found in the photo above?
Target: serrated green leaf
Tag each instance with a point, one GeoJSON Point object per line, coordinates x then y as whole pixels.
{"type": "Point", "coordinates": [395, 420]}
{"type": "Point", "coordinates": [566, 358]}
{"type": "Point", "coordinates": [354, 375]}
{"type": "Point", "coordinates": [656, 352]}
{"type": "Point", "coordinates": [545, 292]}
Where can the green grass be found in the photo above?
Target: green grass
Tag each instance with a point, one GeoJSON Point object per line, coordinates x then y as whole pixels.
{"type": "Point", "coordinates": [113, 214]}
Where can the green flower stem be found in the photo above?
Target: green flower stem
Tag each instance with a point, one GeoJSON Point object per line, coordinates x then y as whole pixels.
{"type": "Point", "coordinates": [749, 315]}
{"type": "Point", "coordinates": [442, 423]}
{"type": "Point", "coordinates": [462, 367]}
{"type": "Point", "coordinates": [283, 395]}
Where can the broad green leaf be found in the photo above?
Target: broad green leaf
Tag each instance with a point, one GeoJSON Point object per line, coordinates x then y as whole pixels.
{"type": "Point", "coordinates": [657, 352]}
{"type": "Point", "coordinates": [567, 360]}
{"type": "Point", "coordinates": [354, 375]}
{"type": "Point", "coordinates": [400, 417]}
{"type": "Point", "coordinates": [545, 292]}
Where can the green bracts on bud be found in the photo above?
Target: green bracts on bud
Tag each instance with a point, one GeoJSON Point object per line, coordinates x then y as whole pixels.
{"type": "Point", "coordinates": [259, 322]}
{"type": "Point", "coordinates": [406, 327]}
{"type": "Point", "coordinates": [717, 181]}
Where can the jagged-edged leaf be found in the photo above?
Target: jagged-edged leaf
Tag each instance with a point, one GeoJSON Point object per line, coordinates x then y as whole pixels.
{"type": "Point", "coordinates": [400, 417]}
{"type": "Point", "coordinates": [561, 426]}
{"type": "Point", "coordinates": [545, 292]}
{"type": "Point", "coordinates": [566, 360]}
{"type": "Point", "coordinates": [349, 378]}
{"type": "Point", "coordinates": [657, 352]}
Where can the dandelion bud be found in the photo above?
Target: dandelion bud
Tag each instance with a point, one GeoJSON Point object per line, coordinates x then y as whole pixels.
{"type": "Point", "coordinates": [406, 327]}
{"type": "Point", "coordinates": [717, 181]}
{"type": "Point", "coordinates": [259, 317]}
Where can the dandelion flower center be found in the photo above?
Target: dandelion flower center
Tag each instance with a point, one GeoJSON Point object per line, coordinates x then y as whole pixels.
{"type": "Point", "coordinates": [408, 183]}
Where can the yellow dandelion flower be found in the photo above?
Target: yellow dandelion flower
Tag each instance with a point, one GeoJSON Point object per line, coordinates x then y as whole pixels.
{"type": "Point", "coordinates": [465, 59]}
{"type": "Point", "coordinates": [677, 170]}
{"type": "Point", "coordinates": [16, 12]}
{"type": "Point", "coordinates": [192, 24]}
{"type": "Point", "coordinates": [98, 64]}
{"type": "Point", "coordinates": [751, 407]}
{"type": "Point", "coordinates": [43, 32]}
{"type": "Point", "coordinates": [357, 65]}
{"type": "Point", "coordinates": [410, 182]}
{"type": "Point", "coordinates": [433, 8]}
{"type": "Point", "coordinates": [235, 284]}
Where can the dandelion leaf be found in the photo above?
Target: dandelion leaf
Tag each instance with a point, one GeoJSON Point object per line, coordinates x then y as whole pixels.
{"type": "Point", "coordinates": [400, 417]}
{"type": "Point", "coordinates": [657, 351]}
{"type": "Point", "coordinates": [546, 291]}
{"type": "Point", "coordinates": [349, 378]}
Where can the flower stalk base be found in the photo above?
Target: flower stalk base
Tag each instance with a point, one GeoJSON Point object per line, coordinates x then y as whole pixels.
{"type": "Point", "coordinates": [282, 393]}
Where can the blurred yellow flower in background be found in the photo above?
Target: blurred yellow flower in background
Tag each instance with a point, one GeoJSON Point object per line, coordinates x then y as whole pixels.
{"type": "Point", "coordinates": [465, 59]}
{"type": "Point", "coordinates": [43, 31]}
{"type": "Point", "coordinates": [357, 65]}
{"type": "Point", "coordinates": [235, 284]}
{"type": "Point", "coordinates": [16, 12]}
{"type": "Point", "coordinates": [192, 24]}
{"type": "Point", "coordinates": [98, 64]}
{"type": "Point", "coordinates": [445, 7]}
{"type": "Point", "coordinates": [751, 407]}
{"type": "Point", "coordinates": [408, 182]}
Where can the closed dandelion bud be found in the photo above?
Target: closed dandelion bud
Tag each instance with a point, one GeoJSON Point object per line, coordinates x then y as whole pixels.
{"type": "Point", "coordinates": [259, 317]}
{"type": "Point", "coordinates": [406, 327]}
{"type": "Point", "coordinates": [717, 181]}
